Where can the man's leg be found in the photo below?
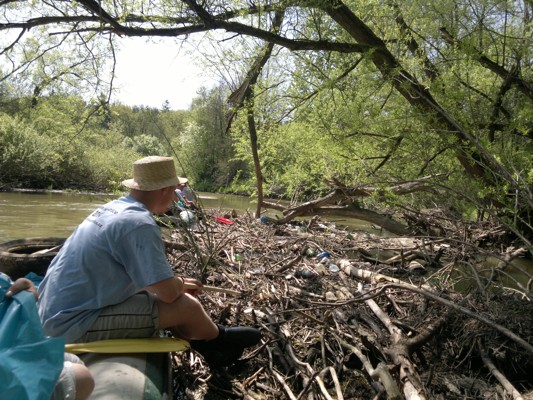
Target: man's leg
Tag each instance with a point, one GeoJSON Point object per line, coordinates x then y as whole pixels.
{"type": "Point", "coordinates": [137, 317]}
{"type": "Point", "coordinates": [219, 345]}
{"type": "Point", "coordinates": [187, 319]}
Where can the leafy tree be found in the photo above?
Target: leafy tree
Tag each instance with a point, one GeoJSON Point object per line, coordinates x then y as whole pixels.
{"type": "Point", "coordinates": [145, 144]}
{"type": "Point", "coordinates": [56, 145]}
{"type": "Point", "coordinates": [203, 149]}
{"type": "Point", "coordinates": [26, 157]}
{"type": "Point", "coordinates": [401, 89]}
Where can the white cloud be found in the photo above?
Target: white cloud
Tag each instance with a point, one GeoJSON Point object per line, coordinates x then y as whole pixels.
{"type": "Point", "coordinates": [150, 73]}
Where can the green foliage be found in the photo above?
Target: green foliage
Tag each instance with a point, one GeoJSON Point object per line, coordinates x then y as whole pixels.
{"type": "Point", "coordinates": [145, 144]}
{"type": "Point", "coordinates": [53, 145]}
{"type": "Point", "coordinates": [26, 158]}
{"type": "Point", "coordinates": [444, 92]}
{"type": "Point", "coordinates": [203, 148]}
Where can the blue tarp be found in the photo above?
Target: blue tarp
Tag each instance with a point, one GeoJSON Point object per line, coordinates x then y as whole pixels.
{"type": "Point", "coordinates": [30, 362]}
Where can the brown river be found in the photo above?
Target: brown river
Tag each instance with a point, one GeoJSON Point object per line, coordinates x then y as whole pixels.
{"type": "Point", "coordinates": [53, 214]}
{"type": "Point", "coordinates": [28, 214]}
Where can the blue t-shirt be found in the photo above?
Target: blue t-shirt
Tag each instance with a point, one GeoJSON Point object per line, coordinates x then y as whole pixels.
{"type": "Point", "coordinates": [113, 254]}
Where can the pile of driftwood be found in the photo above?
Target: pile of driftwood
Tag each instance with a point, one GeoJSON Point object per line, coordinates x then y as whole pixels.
{"type": "Point", "coordinates": [350, 315]}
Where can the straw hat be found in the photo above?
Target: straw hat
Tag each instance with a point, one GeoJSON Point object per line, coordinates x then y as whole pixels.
{"type": "Point", "coordinates": [153, 173]}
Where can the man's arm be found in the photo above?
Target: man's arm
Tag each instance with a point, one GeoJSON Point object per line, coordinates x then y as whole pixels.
{"type": "Point", "coordinates": [169, 290]}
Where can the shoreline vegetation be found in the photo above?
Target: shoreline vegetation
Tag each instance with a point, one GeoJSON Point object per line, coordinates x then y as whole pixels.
{"type": "Point", "coordinates": [59, 191]}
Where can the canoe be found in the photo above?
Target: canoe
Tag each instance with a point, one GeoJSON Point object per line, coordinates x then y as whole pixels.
{"type": "Point", "coordinates": [133, 376]}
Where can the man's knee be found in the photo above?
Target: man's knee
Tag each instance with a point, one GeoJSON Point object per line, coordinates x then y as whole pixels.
{"type": "Point", "coordinates": [185, 308]}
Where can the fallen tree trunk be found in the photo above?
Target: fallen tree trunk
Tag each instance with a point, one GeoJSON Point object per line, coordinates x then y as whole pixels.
{"type": "Point", "coordinates": [328, 204]}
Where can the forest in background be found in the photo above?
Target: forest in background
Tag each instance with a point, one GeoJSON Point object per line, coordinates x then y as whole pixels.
{"type": "Point", "coordinates": [396, 106]}
{"type": "Point", "coordinates": [62, 142]}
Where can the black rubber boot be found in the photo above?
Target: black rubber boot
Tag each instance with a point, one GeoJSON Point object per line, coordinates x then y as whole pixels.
{"type": "Point", "coordinates": [228, 346]}
{"type": "Point", "coordinates": [241, 335]}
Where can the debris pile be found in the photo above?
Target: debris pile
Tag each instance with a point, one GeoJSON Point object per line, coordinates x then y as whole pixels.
{"type": "Point", "coordinates": [351, 315]}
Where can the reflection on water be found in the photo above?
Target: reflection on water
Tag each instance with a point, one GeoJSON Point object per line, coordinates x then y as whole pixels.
{"type": "Point", "coordinates": [29, 214]}
{"type": "Point", "coordinates": [25, 214]}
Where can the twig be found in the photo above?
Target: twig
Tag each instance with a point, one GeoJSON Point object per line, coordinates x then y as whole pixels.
{"type": "Point", "coordinates": [206, 288]}
{"type": "Point", "coordinates": [335, 378]}
{"type": "Point", "coordinates": [292, 262]}
{"type": "Point", "coordinates": [375, 278]}
{"type": "Point", "coordinates": [499, 328]}
{"type": "Point", "coordinates": [322, 387]}
{"type": "Point", "coordinates": [382, 374]}
{"type": "Point", "coordinates": [287, 388]}
{"type": "Point", "coordinates": [508, 386]}
{"type": "Point", "coordinates": [411, 382]}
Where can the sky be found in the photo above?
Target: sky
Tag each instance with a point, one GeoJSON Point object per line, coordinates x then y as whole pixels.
{"type": "Point", "coordinates": [150, 73]}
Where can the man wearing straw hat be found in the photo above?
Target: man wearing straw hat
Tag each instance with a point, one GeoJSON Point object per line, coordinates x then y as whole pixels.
{"type": "Point", "coordinates": [111, 279]}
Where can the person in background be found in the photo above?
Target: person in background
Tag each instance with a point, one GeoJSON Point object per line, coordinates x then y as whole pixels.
{"type": "Point", "coordinates": [75, 380]}
{"type": "Point", "coordinates": [111, 279]}
{"type": "Point", "coordinates": [186, 198]}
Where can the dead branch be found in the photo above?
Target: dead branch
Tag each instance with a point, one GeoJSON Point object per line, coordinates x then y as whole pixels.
{"type": "Point", "coordinates": [412, 385]}
{"type": "Point", "coordinates": [497, 374]}
{"type": "Point", "coordinates": [506, 332]}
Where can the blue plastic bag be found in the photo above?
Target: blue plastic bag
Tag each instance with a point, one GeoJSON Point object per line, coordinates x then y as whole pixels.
{"type": "Point", "coordinates": [30, 362]}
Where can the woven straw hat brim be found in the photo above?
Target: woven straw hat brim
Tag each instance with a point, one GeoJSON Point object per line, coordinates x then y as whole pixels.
{"type": "Point", "coordinates": [131, 184]}
{"type": "Point", "coordinates": [152, 173]}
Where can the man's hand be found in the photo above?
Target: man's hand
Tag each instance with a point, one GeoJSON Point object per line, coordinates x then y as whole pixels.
{"type": "Point", "coordinates": [170, 289]}
{"type": "Point", "coordinates": [22, 284]}
{"type": "Point", "coordinates": [192, 286]}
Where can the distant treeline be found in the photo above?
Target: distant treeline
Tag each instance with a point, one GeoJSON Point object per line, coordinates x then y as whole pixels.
{"type": "Point", "coordinates": [62, 142]}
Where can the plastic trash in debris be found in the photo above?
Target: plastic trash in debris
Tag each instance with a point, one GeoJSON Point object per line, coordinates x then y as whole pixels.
{"type": "Point", "coordinates": [343, 263]}
{"type": "Point", "coordinates": [305, 274]}
{"type": "Point", "coordinates": [333, 268]}
{"type": "Point", "coordinates": [188, 217]}
{"type": "Point", "coordinates": [223, 220]}
{"type": "Point", "coordinates": [324, 260]}
{"type": "Point", "coordinates": [322, 255]}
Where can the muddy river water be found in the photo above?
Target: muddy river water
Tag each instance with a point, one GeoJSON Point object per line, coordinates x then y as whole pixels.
{"type": "Point", "coordinates": [53, 214]}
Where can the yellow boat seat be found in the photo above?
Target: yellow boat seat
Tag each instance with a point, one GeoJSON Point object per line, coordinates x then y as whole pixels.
{"type": "Point", "coordinates": [134, 345]}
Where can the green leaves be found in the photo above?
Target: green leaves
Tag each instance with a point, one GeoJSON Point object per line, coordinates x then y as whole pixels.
{"type": "Point", "coordinates": [25, 156]}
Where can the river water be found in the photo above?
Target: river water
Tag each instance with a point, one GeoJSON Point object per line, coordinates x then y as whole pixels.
{"type": "Point", "coordinates": [28, 214]}
{"type": "Point", "coordinates": [25, 214]}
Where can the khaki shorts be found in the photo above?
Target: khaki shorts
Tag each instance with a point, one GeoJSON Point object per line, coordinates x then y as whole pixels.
{"type": "Point", "coordinates": [137, 317]}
